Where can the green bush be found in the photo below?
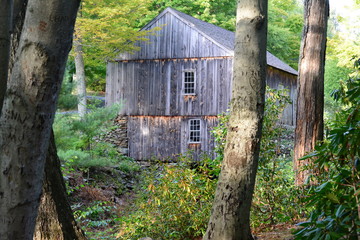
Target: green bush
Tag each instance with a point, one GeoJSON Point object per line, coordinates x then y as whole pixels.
{"type": "Point", "coordinates": [274, 195]}
{"type": "Point", "coordinates": [67, 101]}
{"type": "Point", "coordinates": [78, 140]}
{"type": "Point", "coordinates": [335, 189]}
{"type": "Point", "coordinates": [174, 203]}
{"type": "Point", "coordinates": [98, 218]}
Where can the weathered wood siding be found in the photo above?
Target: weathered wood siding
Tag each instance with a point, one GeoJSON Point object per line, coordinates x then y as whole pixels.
{"type": "Point", "coordinates": [166, 137]}
{"type": "Point", "coordinates": [278, 79]}
{"type": "Point", "coordinates": [176, 39]}
{"type": "Point", "coordinates": [154, 87]}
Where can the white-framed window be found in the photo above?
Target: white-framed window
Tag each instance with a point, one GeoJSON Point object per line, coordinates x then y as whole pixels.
{"type": "Point", "coordinates": [194, 130]}
{"type": "Point", "coordinates": [189, 82]}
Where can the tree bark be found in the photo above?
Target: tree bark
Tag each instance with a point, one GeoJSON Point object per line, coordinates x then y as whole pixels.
{"type": "Point", "coordinates": [55, 219]}
{"type": "Point", "coordinates": [80, 77]}
{"type": "Point", "coordinates": [310, 96]}
{"type": "Point", "coordinates": [28, 111]}
{"type": "Point", "coordinates": [6, 11]}
{"type": "Point", "coordinates": [230, 217]}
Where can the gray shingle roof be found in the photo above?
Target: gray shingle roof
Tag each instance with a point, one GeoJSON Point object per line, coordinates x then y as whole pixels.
{"type": "Point", "coordinates": [226, 38]}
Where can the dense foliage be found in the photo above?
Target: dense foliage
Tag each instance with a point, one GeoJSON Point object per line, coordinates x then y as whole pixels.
{"type": "Point", "coordinates": [341, 49]}
{"type": "Point", "coordinates": [275, 195]}
{"type": "Point", "coordinates": [221, 12]}
{"type": "Point", "coordinates": [77, 141]}
{"type": "Point", "coordinates": [333, 75]}
{"type": "Point", "coordinates": [174, 201]}
{"type": "Point", "coordinates": [284, 30]}
{"type": "Point", "coordinates": [105, 29]}
{"type": "Point", "coordinates": [334, 191]}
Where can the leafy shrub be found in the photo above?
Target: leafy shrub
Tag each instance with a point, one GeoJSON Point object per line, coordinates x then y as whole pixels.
{"type": "Point", "coordinates": [275, 195]}
{"type": "Point", "coordinates": [67, 101]}
{"type": "Point", "coordinates": [97, 215]}
{"type": "Point", "coordinates": [73, 133]}
{"type": "Point", "coordinates": [79, 145]}
{"type": "Point", "coordinates": [127, 165]}
{"type": "Point", "coordinates": [335, 196]}
{"type": "Point", "coordinates": [174, 203]}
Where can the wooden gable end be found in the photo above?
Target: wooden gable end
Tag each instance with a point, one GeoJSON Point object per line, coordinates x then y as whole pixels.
{"type": "Point", "coordinates": [176, 39]}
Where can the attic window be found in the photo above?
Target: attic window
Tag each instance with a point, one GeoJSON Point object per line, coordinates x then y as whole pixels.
{"type": "Point", "coordinates": [194, 130]}
{"type": "Point", "coordinates": [189, 82]}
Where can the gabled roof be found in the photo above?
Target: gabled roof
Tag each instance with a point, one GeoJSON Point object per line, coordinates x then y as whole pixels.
{"type": "Point", "coordinates": [222, 37]}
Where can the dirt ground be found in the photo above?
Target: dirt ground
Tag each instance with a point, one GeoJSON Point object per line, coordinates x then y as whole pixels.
{"type": "Point", "coordinates": [279, 232]}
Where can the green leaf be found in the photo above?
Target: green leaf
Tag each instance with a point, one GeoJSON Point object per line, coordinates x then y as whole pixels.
{"type": "Point", "coordinates": [333, 198]}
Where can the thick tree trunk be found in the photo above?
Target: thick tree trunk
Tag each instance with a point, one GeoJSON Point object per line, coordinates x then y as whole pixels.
{"type": "Point", "coordinates": [28, 111]}
{"type": "Point", "coordinates": [53, 223]}
{"type": "Point", "coordinates": [230, 217]}
{"type": "Point", "coordinates": [55, 219]}
{"type": "Point", "coordinates": [6, 11]}
{"type": "Point", "coordinates": [80, 77]}
{"type": "Point", "coordinates": [310, 97]}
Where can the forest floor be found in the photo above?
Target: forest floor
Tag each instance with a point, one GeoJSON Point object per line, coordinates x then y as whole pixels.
{"type": "Point", "coordinates": [101, 196]}
{"type": "Point", "coordinates": [277, 232]}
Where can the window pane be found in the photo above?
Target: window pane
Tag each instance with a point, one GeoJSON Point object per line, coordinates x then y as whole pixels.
{"type": "Point", "coordinates": [189, 82]}
{"type": "Point", "coordinates": [194, 130]}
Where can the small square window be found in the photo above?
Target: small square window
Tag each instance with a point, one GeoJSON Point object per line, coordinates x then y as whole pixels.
{"type": "Point", "coordinates": [189, 82]}
{"type": "Point", "coordinates": [194, 130]}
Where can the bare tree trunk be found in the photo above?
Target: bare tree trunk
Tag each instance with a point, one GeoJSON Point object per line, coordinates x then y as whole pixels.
{"type": "Point", "coordinates": [59, 221]}
{"type": "Point", "coordinates": [230, 217]}
{"type": "Point", "coordinates": [28, 111]}
{"type": "Point", "coordinates": [310, 97]}
{"type": "Point", "coordinates": [6, 11]}
{"type": "Point", "coordinates": [80, 77]}
{"type": "Point", "coordinates": [55, 219]}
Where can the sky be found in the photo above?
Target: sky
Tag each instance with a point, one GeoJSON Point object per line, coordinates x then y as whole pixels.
{"type": "Point", "coordinates": [341, 6]}
{"type": "Point", "coordinates": [346, 9]}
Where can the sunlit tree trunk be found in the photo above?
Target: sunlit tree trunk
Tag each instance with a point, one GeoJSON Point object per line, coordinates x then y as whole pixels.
{"type": "Point", "coordinates": [310, 97]}
{"type": "Point", "coordinates": [28, 111]}
{"type": "Point", "coordinates": [80, 76]}
{"type": "Point", "coordinates": [230, 217]}
{"type": "Point", "coordinates": [55, 219]}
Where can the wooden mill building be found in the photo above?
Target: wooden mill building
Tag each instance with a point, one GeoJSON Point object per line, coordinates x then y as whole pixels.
{"type": "Point", "coordinates": [173, 88]}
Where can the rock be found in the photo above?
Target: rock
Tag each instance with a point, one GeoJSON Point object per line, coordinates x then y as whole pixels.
{"type": "Point", "coordinates": [118, 135]}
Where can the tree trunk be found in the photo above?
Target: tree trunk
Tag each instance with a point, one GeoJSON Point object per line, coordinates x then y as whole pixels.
{"type": "Point", "coordinates": [53, 178]}
{"type": "Point", "coordinates": [6, 11]}
{"type": "Point", "coordinates": [230, 217]}
{"type": "Point", "coordinates": [310, 96]}
{"type": "Point", "coordinates": [28, 112]}
{"type": "Point", "coordinates": [80, 77]}
{"type": "Point", "coordinates": [55, 219]}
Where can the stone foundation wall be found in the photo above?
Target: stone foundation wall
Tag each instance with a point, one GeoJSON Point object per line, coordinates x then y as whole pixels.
{"type": "Point", "coordinates": [118, 135]}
